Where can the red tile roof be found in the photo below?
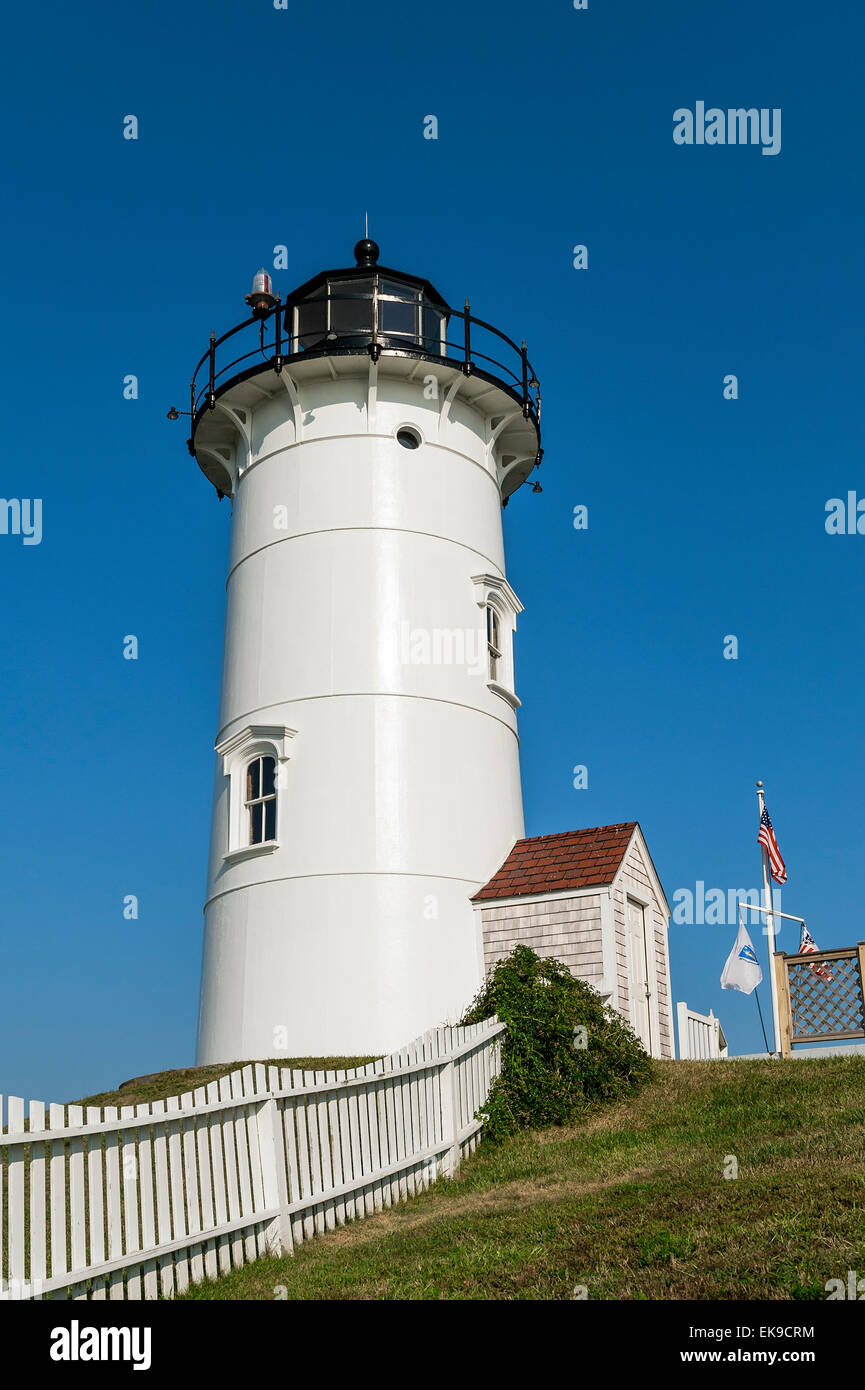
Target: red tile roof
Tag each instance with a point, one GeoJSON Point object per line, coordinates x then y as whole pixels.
{"type": "Point", "coordinates": [555, 863]}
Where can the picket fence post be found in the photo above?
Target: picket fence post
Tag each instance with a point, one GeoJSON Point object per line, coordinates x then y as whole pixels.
{"type": "Point", "coordinates": [278, 1235]}
{"type": "Point", "coordinates": [684, 1039]}
{"type": "Point", "coordinates": [450, 1102]}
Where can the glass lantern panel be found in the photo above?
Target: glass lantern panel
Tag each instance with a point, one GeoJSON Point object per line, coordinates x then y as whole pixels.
{"type": "Point", "coordinates": [398, 318]}
{"type": "Point", "coordinates": [312, 320]}
{"type": "Point", "coordinates": [350, 307]}
{"type": "Point", "coordinates": [432, 320]}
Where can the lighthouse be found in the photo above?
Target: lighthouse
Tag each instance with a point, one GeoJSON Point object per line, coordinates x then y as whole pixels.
{"type": "Point", "coordinates": [367, 778]}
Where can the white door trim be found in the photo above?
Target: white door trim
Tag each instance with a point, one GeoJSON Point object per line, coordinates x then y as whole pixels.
{"type": "Point", "coordinates": [650, 968]}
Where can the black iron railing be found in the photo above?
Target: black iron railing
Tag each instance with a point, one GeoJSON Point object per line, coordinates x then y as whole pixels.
{"type": "Point", "coordinates": [366, 321]}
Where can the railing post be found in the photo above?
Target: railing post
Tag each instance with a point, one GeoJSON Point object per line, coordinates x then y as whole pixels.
{"type": "Point", "coordinates": [785, 1017]}
{"type": "Point", "coordinates": [211, 394]}
{"type": "Point", "coordinates": [274, 1178]}
{"type": "Point", "coordinates": [374, 347]}
{"type": "Point", "coordinates": [525, 380]}
{"type": "Point", "coordinates": [860, 951]}
{"type": "Point", "coordinates": [467, 365]}
{"type": "Point", "coordinates": [190, 443]}
{"type": "Point", "coordinates": [450, 1103]}
{"type": "Point", "coordinates": [278, 335]}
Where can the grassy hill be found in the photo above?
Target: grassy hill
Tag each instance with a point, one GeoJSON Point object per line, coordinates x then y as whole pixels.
{"type": "Point", "coordinates": [632, 1204]}
{"type": "Point", "coordinates": [160, 1085]}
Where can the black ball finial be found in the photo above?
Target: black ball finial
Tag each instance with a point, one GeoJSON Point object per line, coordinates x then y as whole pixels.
{"type": "Point", "coordinates": [366, 252]}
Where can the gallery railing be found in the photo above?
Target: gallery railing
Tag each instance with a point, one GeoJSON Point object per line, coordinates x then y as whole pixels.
{"type": "Point", "coordinates": [371, 321]}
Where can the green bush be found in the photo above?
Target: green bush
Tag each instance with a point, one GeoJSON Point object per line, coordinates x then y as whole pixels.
{"type": "Point", "coordinates": [547, 1076]}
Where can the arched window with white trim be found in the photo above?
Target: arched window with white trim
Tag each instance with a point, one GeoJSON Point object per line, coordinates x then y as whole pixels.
{"type": "Point", "coordinates": [254, 763]}
{"type": "Point", "coordinates": [499, 607]}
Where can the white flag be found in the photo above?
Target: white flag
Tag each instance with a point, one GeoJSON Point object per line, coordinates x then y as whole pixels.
{"type": "Point", "coordinates": [742, 970]}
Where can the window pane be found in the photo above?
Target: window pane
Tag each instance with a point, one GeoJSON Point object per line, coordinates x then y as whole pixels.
{"type": "Point", "coordinates": [268, 768]}
{"type": "Point", "coordinates": [397, 318]}
{"type": "Point", "coordinates": [255, 824]}
{"type": "Point", "coordinates": [398, 288]}
{"type": "Point", "coordinates": [432, 330]}
{"type": "Point", "coordinates": [311, 321]}
{"type": "Point", "coordinates": [253, 780]}
{"type": "Point", "coordinates": [353, 315]}
{"type": "Point", "coordinates": [362, 286]}
{"type": "Point", "coordinates": [270, 820]}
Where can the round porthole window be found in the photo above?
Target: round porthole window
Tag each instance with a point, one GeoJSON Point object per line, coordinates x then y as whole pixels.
{"type": "Point", "coordinates": [408, 438]}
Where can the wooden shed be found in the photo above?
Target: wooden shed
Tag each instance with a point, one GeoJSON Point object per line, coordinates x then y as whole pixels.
{"type": "Point", "coordinates": [592, 899]}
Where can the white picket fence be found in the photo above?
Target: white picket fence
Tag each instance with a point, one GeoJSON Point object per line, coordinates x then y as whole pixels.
{"type": "Point", "coordinates": [144, 1201]}
{"type": "Point", "coordinates": [701, 1038]}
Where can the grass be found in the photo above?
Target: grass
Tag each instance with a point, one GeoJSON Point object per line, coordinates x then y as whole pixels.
{"type": "Point", "coordinates": [632, 1204]}
{"type": "Point", "coordinates": [163, 1084]}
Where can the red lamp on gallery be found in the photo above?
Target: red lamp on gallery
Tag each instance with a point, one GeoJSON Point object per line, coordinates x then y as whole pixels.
{"type": "Point", "coordinates": [261, 298]}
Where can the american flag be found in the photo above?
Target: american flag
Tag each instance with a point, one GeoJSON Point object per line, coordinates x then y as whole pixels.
{"type": "Point", "coordinates": [806, 946]}
{"type": "Point", "coordinates": [766, 838]}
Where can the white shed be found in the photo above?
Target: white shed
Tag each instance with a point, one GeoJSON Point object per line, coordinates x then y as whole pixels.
{"type": "Point", "coordinates": [592, 899]}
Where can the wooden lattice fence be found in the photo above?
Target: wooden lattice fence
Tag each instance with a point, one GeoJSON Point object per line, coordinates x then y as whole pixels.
{"type": "Point", "coordinates": [820, 996]}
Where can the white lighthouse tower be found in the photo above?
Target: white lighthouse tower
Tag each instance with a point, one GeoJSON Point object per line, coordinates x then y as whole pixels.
{"type": "Point", "coordinates": [367, 772]}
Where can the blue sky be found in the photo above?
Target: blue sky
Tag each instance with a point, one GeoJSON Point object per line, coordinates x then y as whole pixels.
{"type": "Point", "coordinates": [260, 127]}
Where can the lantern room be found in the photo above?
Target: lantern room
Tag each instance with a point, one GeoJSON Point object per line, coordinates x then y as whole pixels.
{"type": "Point", "coordinates": [349, 307]}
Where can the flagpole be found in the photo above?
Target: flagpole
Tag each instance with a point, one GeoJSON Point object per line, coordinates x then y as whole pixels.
{"type": "Point", "coordinates": [760, 1012]}
{"type": "Point", "coordinates": [770, 928]}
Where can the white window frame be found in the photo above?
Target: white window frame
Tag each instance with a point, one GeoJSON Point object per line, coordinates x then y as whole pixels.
{"type": "Point", "coordinates": [237, 752]}
{"type": "Point", "coordinates": [492, 591]}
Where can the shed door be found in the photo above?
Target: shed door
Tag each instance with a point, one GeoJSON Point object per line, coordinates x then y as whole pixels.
{"type": "Point", "coordinates": [639, 983]}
